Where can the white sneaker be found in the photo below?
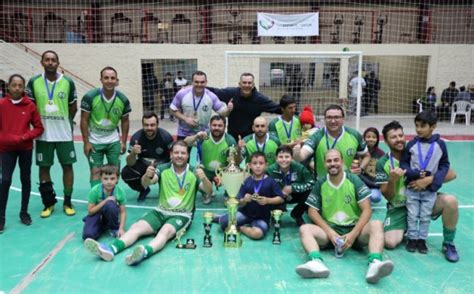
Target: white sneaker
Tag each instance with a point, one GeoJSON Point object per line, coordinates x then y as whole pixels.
{"type": "Point", "coordinates": [100, 249]}
{"type": "Point", "coordinates": [137, 256]}
{"type": "Point", "coordinates": [313, 269]}
{"type": "Point", "coordinates": [377, 270]}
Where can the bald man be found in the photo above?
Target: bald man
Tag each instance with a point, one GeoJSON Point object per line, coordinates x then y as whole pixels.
{"type": "Point", "coordinates": [260, 140]}
{"type": "Point", "coordinates": [339, 207]}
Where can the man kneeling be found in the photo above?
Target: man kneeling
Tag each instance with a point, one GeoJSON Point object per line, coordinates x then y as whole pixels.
{"type": "Point", "coordinates": [339, 205]}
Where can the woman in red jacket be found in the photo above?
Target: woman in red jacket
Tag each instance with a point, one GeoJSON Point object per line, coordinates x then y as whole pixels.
{"type": "Point", "coordinates": [17, 114]}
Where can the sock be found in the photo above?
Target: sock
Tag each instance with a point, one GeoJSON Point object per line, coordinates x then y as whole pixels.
{"type": "Point", "coordinates": [149, 251]}
{"type": "Point", "coordinates": [94, 182]}
{"type": "Point", "coordinates": [373, 256]}
{"type": "Point", "coordinates": [67, 195]}
{"type": "Point", "coordinates": [315, 255]}
{"type": "Point", "coordinates": [117, 246]}
{"type": "Point", "coordinates": [448, 235]}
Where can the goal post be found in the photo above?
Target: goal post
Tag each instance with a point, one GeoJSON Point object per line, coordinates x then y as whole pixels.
{"type": "Point", "coordinates": [315, 78]}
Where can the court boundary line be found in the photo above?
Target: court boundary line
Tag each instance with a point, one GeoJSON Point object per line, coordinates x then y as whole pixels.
{"type": "Point", "coordinates": [26, 281]}
{"type": "Point", "coordinates": [467, 206]}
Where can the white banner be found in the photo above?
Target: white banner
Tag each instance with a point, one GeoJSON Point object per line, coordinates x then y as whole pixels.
{"type": "Point", "coordinates": [288, 25]}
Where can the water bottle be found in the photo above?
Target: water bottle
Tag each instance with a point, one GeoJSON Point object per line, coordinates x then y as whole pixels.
{"type": "Point", "coordinates": [338, 251]}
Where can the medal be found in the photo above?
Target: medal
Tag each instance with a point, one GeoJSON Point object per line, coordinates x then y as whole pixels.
{"type": "Point", "coordinates": [424, 161]}
{"type": "Point", "coordinates": [50, 93]}
{"type": "Point", "coordinates": [196, 107]}
{"type": "Point", "coordinates": [195, 114]}
{"type": "Point", "coordinates": [107, 111]}
{"type": "Point", "coordinates": [287, 131]}
{"type": "Point", "coordinates": [288, 140]}
{"type": "Point", "coordinates": [327, 139]}
{"type": "Point", "coordinates": [422, 174]}
{"type": "Point", "coordinates": [264, 144]}
{"type": "Point", "coordinates": [256, 189]}
{"type": "Point", "coordinates": [181, 190]}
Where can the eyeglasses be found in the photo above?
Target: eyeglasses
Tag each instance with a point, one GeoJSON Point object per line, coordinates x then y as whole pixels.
{"type": "Point", "coordinates": [333, 117]}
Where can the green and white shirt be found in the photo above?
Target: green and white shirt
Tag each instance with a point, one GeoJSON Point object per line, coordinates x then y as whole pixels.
{"type": "Point", "coordinates": [286, 132]}
{"type": "Point", "coordinates": [52, 101]}
{"type": "Point", "coordinates": [339, 205]}
{"type": "Point", "coordinates": [269, 147]}
{"type": "Point", "coordinates": [96, 195]}
{"type": "Point", "coordinates": [349, 142]}
{"type": "Point", "coordinates": [382, 173]}
{"type": "Point", "coordinates": [105, 115]}
{"type": "Point", "coordinates": [298, 177]}
{"type": "Point", "coordinates": [214, 153]}
{"type": "Point", "coordinates": [177, 191]}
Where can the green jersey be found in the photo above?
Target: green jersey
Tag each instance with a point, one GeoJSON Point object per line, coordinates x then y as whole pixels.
{"type": "Point", "coordinates": [96, 195]}
{"type": "Point", "coordinates": [286, 132]}
{"type": "Point", "coordinates": [213, 154]}
{"type": "Point", "coordinates": [105, 115]}
{"type": "Point", "coordinates": [384, 164]}
{"type": "Point", "coordinates": [298, 177]}
{"type": "Point", "coordinates": [349, 142]}
{"type": "Point", "coordinates": [52, 101]}
{"type": "Point", "coordinates": [177, 191]}
{"type": "Point", "coordinates": [339, 205]}
{"type": "Point", "coordinates": [269, 147]}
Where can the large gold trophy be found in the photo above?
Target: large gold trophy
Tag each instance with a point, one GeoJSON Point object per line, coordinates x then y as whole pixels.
{"type": "Point", "coordinates": [232, 177]}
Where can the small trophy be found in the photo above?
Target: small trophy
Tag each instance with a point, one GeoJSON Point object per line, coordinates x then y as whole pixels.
{"type": "Point", "coordinates": [276, 214]}
{"type": "Point", "coordinates": [232, 177]}
{"type": "Point", "coordinates": [207, 228]}
{"type": "Point", "coordinates": [189, 242]}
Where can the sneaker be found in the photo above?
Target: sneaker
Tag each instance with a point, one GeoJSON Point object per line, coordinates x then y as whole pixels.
{"type": "Point", "coordinates": [312, 269]}
{"type": "Point", "coordinates": [421, 246]}
{"type": "Point", "coordinates": [2, 225]}
{"type": "Point", "coordinates": [377, 270]}
{"type": "Point", "coordinates": [450, 252]}
{"type": "Point", "coordinates": [47, 211]}
{"type": "Point", "coordinates": [143, 194]}
{"type": "Point", "coordinates": [411, 245]}
{"type": "Point", "coordinates": [25, 218]}
{"type": "Point", "coordinates": [207, 199]}
{"type": "Point", "coordinates": [102, 250]}
{"type": "Point", "coordinates": [69, 209]}
{"type": "Point", "coordinates": [137, 256]}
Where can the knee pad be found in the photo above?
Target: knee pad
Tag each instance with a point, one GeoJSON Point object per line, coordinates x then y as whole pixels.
{"type": "Point", "coordinates": [47, 193]}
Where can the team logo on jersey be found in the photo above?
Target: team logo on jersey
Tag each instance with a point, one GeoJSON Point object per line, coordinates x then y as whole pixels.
{"type": "Point", "coordinates": [350, 152]}
{"type": "Point", "coordinates": [62, 95]}
{"type": "Point", "coordinates": [159, 150]}
{"type": "Point", "coordinates": [205, 108]}
{"type": "Point", "coordinates": [116, 111]}
{"type": "Point", "coordinates": [347, 199]}
{"type": "Point", "coordinates": [179, 222]}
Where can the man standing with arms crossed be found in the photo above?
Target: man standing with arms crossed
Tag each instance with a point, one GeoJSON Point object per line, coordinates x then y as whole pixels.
{"type": "Point", "coordinates": [56, 99]}
{"type": "Point", "coordinates": [101, 111]}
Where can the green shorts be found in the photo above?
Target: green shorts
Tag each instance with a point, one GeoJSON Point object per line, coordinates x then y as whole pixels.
{"type": "Point", "coordinates": [396, 219]}
{"type": "Point", "coordinates": [111, 151]}
{"type": "Point", "coordinates": [157, 219]}
{"type": "Point", "coordinates": [45, 153]}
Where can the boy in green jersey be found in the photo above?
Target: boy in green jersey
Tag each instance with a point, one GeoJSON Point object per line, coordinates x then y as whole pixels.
{"type": "Point", "coordinates": [340, 209]}
{"type": "Point", "coordinates": [102, 110]}
{"type": "Point", "coordinates": [287, 127]}
{"type": "Point", "coordinates": [179, 184]}
{"type": "Point", "coordinates": [212, 149]}
{"type": "Point", "coordinates": [56, 100]}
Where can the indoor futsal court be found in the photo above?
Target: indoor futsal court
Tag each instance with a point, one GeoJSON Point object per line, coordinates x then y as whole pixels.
{"type": "Point", "coordinates": [49, 256]}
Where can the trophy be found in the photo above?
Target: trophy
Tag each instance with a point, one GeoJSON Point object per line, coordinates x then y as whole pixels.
{"type": "Point", "coordinates": [189, 242]}
{"type": "Point", "coordinates": [207, 228]}
{"type": "Point", "coordinates": [232, 177]}
{"type": "Point", "coordinates": [276, 214]}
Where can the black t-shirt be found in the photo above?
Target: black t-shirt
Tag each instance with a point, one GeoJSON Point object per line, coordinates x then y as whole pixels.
{"type": "Point", "coordinates": [157, 148]}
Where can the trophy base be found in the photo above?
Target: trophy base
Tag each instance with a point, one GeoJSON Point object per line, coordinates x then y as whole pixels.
{"type": "Point", "coordinates": [189, 245]}
{"type": "Point", "coordinates": [232, 240]}
{"type": "Point", "coordinates": [207, 242]}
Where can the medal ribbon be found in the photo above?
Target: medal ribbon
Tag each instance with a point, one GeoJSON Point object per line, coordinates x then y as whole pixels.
{"type": "Point", "coordinates": [196, 107]}
{"type": "Point", "coordinates": [264, 144]}
{"type": "Point", "coordinates": [287, 178]}
{"type": "Point", "coordinates": [107, 111]}
{"type": "Point", "coordinates": [392, 163]}
{"type": "Point", "coordinates": [103, 193]}
{"type": "Point", "coordinates": [50, 94]}
{"type": "Point", "coordinates": [181, 182]}
{"type": "Point", "coordinates": [288, 132]}
{"type": "Point", "coordinates": [327, 139]}
{"type": "Point", "coordinates": [257, 188]}
{"type": "Point", "coordinates": [424, 162]}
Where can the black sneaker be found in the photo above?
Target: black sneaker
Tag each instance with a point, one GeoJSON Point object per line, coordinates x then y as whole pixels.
{"type": "Point", "coordinates": [421, 246]}
{"type": "Point", "coordinates": [2, 225]}
{"type": "Point", "coordinates": [25, 218]}
{"type": "Point", "coordinates": [411, 245]}
{"type": "Point", "coordinates": [143, 194]}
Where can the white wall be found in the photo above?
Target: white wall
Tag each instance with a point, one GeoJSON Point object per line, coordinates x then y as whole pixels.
{"type": "Point", "coordinates": [447, 62]}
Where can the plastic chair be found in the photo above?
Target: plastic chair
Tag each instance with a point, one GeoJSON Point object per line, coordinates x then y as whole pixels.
{"type": "Point", "coordinates": [420, 105]}
{"type": "Point", "coordinates": [461, 108]}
